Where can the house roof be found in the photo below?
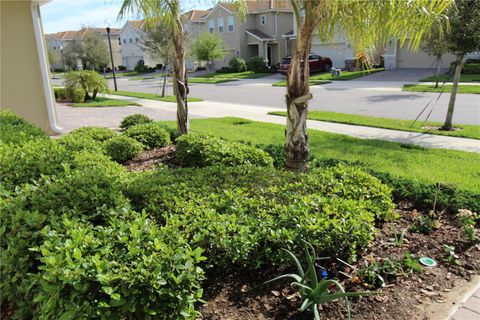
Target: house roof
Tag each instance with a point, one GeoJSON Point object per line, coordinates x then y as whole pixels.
{"type": "Point", "coordinates": [259, 34]}
{"type": "Point", "coordinates": [195, 16]}
{"type": "Point", "coordinates": [137, 24]}
{"type": "Point", "coordinates": [254, 6]}
{"type": "Point", "coordinates": [78, 34]}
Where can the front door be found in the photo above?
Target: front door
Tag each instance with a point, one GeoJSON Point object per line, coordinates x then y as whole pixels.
{"type": "Point", "coordinates": [269, 55]}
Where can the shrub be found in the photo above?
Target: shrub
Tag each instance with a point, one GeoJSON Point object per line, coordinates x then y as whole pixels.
{"type": "Point", "coordinates": [152, 135]}
{"type": "Point", "coordinates": [121, 68]}
{"type": "Point", "coordinates": [133, 120]}
{"type": "Point", "coordinates": [95, 133]}
{"type": "Point", "coordinates": [122, 148]}
{"type": "Point", "coordinates": [224, 70]}
{"type": "Point", "coordinates": [237, 64]}
{"type": "Point", "coordinates": [277, 152]}
{"type": "Point", "coordinates": [60, 94]}
{"type": "Point", "coordinates": [245, 214]}
{"type": "Point", "coordinates": [25, 163]}
{"type": "Point", "coordinates": [15, 130]}
{"type": "Point", "coordinates": [471, 68]}
{"type": "Point", "coordinates": [195, 150]}
{"type": "Point", "coordinates": [124, 270]}
{"type": "Point", "coordinates": [257, 64]}
{"type": "Point", "coordinates": [78, 96]}
{"type": "Point", "coordinates": [87, 192]}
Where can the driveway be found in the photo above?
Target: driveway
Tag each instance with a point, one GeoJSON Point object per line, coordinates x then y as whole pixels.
{"type": "Point", "coordinates": [400, 75]}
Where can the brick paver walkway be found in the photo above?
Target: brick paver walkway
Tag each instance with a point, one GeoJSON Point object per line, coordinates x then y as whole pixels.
{"type": "Point", "coordinates": [470, 310]}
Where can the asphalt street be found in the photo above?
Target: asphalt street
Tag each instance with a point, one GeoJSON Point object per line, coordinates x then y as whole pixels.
{"type": "Point", "coordinates": [376, 97]}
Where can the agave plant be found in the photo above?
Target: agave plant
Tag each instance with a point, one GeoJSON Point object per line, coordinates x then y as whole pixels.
{"type": "Point", "coordinates": [313, 291]}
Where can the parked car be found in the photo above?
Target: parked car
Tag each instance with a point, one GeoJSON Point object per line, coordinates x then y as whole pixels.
{"type": "Point", "coordinates": [317, 63]}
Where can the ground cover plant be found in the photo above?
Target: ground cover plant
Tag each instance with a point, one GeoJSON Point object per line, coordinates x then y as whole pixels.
{"type": "Point", "coordinates": [448, 78]}
{"type": "Point", "coordinates": [106, 102]}
{"type": "Point", "coordinates": [468, 89]}
{"type": "Point", "coordinates": [226, 77]}
{"type": "Point", "coordinates": [83, 237]}
{"type": "Point", "coordinates": [466, 131]}
{"type": "Point", "coordinates": [151, 96]}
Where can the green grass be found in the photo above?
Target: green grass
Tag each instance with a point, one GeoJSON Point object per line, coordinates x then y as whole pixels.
{"type": "Point", "coordinates": [226, 77]}
{"type": "Point", "coordinates": [106, 102]}
{"type": "Point", "coordinates": [326, 77]}
{"type": "Point", "coordinates": [147, 77]}
{"type": "Point", "coordinates": [468, 131]}
{"type": "Point", "coordinates": [150, 96]}
{"type": "Point", "coordinates": [472, 89]}
{"type": "Point", "coordinates": [427, 165]}
{"type": "Point", "coordinates": [445, 77]}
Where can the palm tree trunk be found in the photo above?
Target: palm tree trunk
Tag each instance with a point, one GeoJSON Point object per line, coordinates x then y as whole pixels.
{"type": "Point", "coordinates": [164, 80]}
{"type": "Point", "coordinates": [298, 94]}
{"type": "Point", "coordinates": [180, 84]}
{"type": "Point", "coordinates": [453, 94]}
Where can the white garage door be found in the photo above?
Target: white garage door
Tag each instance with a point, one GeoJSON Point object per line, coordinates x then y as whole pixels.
{"type": "Point", "coordinates": [132, 62]}
{"type": "Point", "coordinates": [337, 52]}
{"type": "Point", "coordinates": [419, 59]}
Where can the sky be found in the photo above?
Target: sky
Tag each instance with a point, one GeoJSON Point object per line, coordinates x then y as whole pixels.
{"type": "Point", "coordinates": [63, 15]}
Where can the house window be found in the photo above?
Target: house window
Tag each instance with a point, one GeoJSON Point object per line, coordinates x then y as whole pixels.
{"type": "Point", "coordinates": [119, 41]}
{"type": "Point", "coordinates": [125, 41]}
{"type": "Point", "coordinates": [263, 19]}
{"type": "Point", "coordinates": [211, 25]}
{"type": "Point", "coordinates": [130, 40]}
{"type": "Point", "coordinates": [136, 39]}
{"type": "Point", "coordinates": [230, 23]}
{"type": "Point", "coordinates": [220, 24]}
{"type": "Point", "coordinates": [54, 48]}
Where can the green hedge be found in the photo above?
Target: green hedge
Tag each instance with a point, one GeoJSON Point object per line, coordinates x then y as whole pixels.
{"type": "Point", "coordinates": [134, 119]}
{"type": "Point", "coordinates": [471, 68]}
{"type": "Point", "coordinates": [244, 215]}
{"type": "Point", "coordinates": [152, 135]}
{"type": "Point", "coordinates": [122, 148]}
{"type": "Point", "coordinates": [15, 130]}
{"type": "Point", "coordinates": [196, 150]}
{"type": "Point", "coordinates": [64, 95]}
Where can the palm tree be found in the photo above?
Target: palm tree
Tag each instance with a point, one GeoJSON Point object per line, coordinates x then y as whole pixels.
{"type": "Point", "coordinates": [365, 24]}
{"type": "Point", "coordinates": [170, 12]}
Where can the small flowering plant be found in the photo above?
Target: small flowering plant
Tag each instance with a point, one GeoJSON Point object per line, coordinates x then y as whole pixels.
{"type": "Point", "coordinates": [467, 220]}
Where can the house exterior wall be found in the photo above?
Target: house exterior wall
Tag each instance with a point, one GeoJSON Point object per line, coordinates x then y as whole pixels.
{"type": "Point", "coordinates": [24, 82]}
{"type": "Point", "coordinates": [131, 49]}
{"type": "Point", "coordinates": [405, 58]}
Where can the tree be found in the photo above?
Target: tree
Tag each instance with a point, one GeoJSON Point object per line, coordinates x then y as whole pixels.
{"type": "Point", "coordinates": [88, 80]}
{"type": "Point", "coordinates": [156, 42]}
{"type": "Point", "coordinates": [464, 37]}
{"type": "Point", "coordinates": [436, 45]}
{"type": "Point", "coordinates": [94, 51]}
{"type": "Point", "coordinates": [365, 24]}
{"type": "Point", "coordinates": [72, 53]}
{"type": "Point", "coordinates": [170, 11]}
{"type": "Point", "coordinates": [208, 47]}
{"type": "Point", "coordinates": [52, 58]}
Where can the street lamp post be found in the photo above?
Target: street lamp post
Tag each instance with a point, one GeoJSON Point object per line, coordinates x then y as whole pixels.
{"type": "Point", "coordinates": [111, 57]}
{"type": "Point", "coordinates": [63, 60]}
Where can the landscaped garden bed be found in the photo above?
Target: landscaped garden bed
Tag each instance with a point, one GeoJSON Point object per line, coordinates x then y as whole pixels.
{"type": "Point", "coordinates": [145, 224]}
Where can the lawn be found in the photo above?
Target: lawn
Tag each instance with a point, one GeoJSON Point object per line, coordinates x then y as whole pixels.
{"type": "Point", "coordinates": [151, 96]}
{"type": "Point", "coordinates": [326, 77]}
{"type": "Point", "coordinates": [225, 77]}
{"type": "Point", "coordinates": [445, 77]}
{"type": "Point", "coordinates": [468, 131]}
{"type": "Point", "coordinates": [106, 102]}
{"type": "Point", "coordinates": [472, 89]}
{"type": "Point", "coordinates": [419, 164]}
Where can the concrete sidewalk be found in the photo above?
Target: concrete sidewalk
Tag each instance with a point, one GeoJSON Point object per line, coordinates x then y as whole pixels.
{"type": "Point", "coordinates": [208, 109]}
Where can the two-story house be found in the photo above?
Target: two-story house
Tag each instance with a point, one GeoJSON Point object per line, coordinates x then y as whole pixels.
{"type": "Point", "coordinates": [260, 34]}
{"type": "Point", "coordinates": [58, 41]}
{"type": "Point", "coordinates": [131, 36]}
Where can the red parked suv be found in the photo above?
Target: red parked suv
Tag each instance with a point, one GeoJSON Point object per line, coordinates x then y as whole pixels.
{"type": "Point", "coordinates": [316, 62]}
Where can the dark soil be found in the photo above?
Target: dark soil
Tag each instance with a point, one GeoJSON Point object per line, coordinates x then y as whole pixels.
{"type": "Point", "coordinates": [151, 158]}
{"type": "Point", "coordinates": [241, 295]}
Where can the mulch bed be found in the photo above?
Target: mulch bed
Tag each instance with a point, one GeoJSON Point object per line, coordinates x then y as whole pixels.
{"type": "Point", "coordinates": [241, 295]}
{"type": "Point", "coordinates": [151, 158]}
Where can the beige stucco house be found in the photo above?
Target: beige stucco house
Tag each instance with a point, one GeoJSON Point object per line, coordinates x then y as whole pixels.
{"type": "Point", "coordinates": [25, 79]}
{"type": "Point", "coordinates": [56, 41]}
{"type": "Point", "coordinates": [260, 34]}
